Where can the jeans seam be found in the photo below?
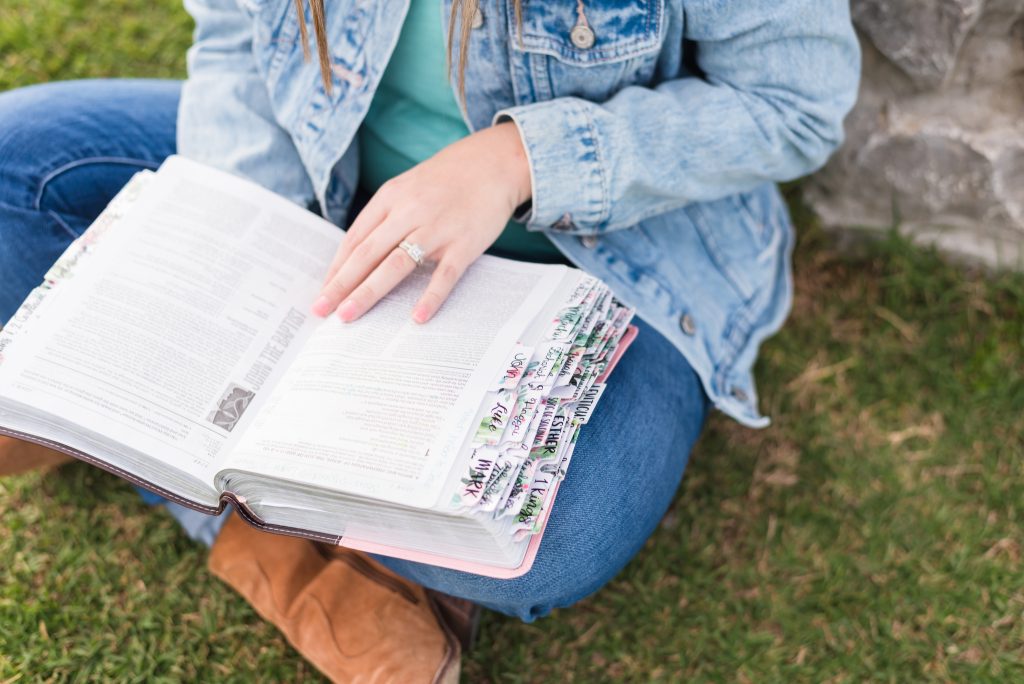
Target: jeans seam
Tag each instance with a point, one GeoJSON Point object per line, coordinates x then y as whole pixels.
{"type": "Point", "coordinates": [63, 224]}
{"type": "Point", "coordinates": [60, 170]}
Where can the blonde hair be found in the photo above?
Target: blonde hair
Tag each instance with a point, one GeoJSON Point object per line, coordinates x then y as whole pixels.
{"type": "Point", "coordinates": [461, 19]}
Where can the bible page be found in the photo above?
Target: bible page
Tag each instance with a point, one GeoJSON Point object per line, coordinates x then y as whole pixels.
{"type": "Point", "coordinates": [173, 332]}
{"type": "Point", "coordinates": [380, 407]}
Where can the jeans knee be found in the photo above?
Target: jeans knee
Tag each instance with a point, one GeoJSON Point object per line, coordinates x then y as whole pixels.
{"type": "Point", "coordinates": [45, 128]}
{"type": "Point", "coordinates": [23, 131]}
{"type": "Point", "coordinates": [540, 591]}
{"type": "Point", "coordinates": [531, 596]}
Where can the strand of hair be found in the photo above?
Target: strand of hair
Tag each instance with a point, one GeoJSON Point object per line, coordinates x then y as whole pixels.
{"type": "Point", "coordinates": [303, 30]}
{"type": "Point", "coordinates": [320, 28]}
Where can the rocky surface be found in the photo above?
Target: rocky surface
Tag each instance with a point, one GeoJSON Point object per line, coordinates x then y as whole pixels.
{"type": "Point", "coordinates": [936, 143]}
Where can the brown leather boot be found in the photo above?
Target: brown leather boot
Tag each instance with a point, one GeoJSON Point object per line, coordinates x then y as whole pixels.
{"type": "Point", "coordinates": [350, 617]}
{"type": "Point", "coordinates": [17, 456]}
{"type": "Point", "coordinates": [460, 615]}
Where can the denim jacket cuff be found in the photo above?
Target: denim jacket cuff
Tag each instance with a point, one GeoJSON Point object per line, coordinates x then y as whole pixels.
{"type": "Point", "coordinates": [570, 185]}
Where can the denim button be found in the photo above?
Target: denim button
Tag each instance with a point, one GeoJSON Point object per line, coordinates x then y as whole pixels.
{"type": "Point", "coordinates": [687, 324]}
{"type": "Point", "coordinates": [582, 36]}
{"type": "Point", "coordinates": [478, 19]}
{"type": "Point", "coordinates": [589, 241]}
{"type": "Point", "coordinates": [739, 395]}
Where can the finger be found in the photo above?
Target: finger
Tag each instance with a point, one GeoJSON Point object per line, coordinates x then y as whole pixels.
{"type": "Point", "coordinates": [395, 267]}
{"type": "Point", "coordinates": [446, 275]}
{"type": "Point", "coordinates": [372, 215]}
{"type": "Point", "coordinates": [364, 258]}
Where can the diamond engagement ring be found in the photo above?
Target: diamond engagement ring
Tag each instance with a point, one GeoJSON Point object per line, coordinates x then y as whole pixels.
{"type": "Point", "coordinates": [414, 251]}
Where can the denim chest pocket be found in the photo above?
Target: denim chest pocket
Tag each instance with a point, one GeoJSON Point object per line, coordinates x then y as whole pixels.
{"type": "Point", "coordinates": [589, 49]}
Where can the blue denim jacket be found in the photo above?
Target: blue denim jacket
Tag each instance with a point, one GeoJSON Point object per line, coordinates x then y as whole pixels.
{"type": "Point", "coordinates": [653, 148]}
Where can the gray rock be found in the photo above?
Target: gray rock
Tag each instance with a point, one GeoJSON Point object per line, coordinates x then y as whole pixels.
{"type": "Point", "coordinates": [921, 37]}
{"type": "Point", "coordinates": [935, 145]}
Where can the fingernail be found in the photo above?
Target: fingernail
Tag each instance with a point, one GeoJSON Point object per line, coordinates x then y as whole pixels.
{"type": "Point", "coordinates": [420, 314]}
{"type": "Point", "coordinates": [348, 311]}
{"type": "Point", "coordinates": [321, 307]}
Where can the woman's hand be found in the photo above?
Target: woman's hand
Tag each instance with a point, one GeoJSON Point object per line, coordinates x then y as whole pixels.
{"type": "Point", "coordinates": [454, 205]}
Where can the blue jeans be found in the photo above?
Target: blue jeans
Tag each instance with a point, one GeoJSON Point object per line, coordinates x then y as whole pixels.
{"type": "Point", "coordinates": [65, 151]}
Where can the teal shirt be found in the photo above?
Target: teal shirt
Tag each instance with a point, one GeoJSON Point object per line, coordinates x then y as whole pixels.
{"type": "Point", "coordinates": [414, 115]}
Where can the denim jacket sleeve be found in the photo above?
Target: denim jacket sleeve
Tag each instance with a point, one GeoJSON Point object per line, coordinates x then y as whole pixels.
{"type": "Point", "coordinates": [778, 78]}
{"type": "Point", "coordinates": [225, 118]}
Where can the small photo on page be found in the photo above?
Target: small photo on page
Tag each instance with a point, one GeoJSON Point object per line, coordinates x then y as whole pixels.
{"type": "Point", "coordinates": [231, 407]}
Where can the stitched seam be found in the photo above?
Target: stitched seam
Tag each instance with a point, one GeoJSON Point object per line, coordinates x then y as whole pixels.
{"type": "Point", "coordinates": [50, 177]}
{"type": "Point", "coordinates": [103, 465]}
{"type": "Point", "coordinates": [258, 523]}
{"type": "Point", "coordinates": [63, 224]}
{"type": "Point", "coordinates": [605, 210]}
{"type": "Point", "coordinates": [620, 52]}
{"type": "Point", "coordinates": [741, 326]}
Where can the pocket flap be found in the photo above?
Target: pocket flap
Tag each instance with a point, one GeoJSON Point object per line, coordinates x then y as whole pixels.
{"type": "Point", "coordinates": [620, 30]}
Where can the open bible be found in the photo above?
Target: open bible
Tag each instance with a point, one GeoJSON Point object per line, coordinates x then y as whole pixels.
{"type": "Point", "coordinates": [171, 345]}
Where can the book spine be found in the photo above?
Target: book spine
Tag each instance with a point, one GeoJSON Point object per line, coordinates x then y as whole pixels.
{"type": "Point", "coordinates": [241, 506]}
{"type": "Point", "coordinates": [112, 469]}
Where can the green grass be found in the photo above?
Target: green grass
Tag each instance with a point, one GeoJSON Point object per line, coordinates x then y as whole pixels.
{"type": "Point", "coordinates": [872, 533]}
{"type": "Point", "coordinates": [46, 40]}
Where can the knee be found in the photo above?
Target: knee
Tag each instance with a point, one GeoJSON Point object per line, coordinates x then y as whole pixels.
{"type": "Point", "coordinates": [537, 598]}
{"type": "Point", "coordinates": [30, 117]}
{"type": "Point", "coordinates": [23, 129]}
{"type": "Point", "coordinates": [551, 585]}
{"type": "Point", "coordinates": [45, 127]}
{"type": "Point", "coordinates": [34, 137]}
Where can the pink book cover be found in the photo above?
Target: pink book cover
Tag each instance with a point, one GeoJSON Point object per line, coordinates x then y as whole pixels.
{"type": "Point", "coordinates": [481, 568]}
